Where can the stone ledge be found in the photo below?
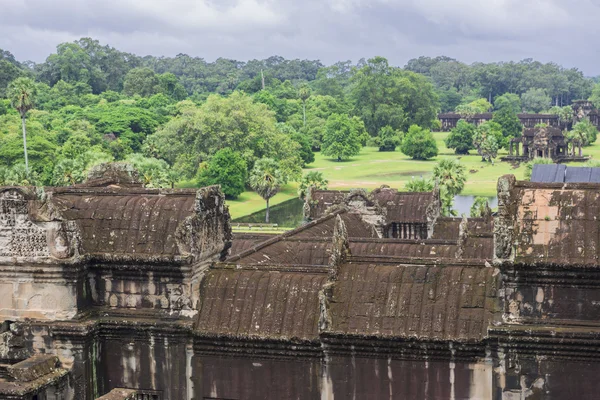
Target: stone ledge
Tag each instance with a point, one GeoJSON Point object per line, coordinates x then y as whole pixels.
{"type": "Point", "coordinates": [33, 368]}
{"type": "Point", "coordinates": [119, 394]}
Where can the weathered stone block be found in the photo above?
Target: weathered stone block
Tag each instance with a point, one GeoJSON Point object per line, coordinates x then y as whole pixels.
{"type": "Point", "coordinates": [33, 368]}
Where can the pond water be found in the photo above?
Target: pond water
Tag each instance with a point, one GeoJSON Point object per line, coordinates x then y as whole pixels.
{"type": "Point", "coordinates": [289, 213]}
{"type": "Point", "coordinates": [463, 204]}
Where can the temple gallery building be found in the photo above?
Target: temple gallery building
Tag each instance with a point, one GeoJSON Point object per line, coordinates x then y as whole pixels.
{"type": "Point", "coordinates": [111, 290]}
{"type": "Point", "coordinates": [544, 142]}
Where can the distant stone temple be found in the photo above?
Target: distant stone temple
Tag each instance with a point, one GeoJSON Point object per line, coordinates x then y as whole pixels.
{"type": "Point", "coordinates": [449, 120]}
{"type": "Point", "coordinates": [110, 290]}
{"type": "Point", "coordinates": [544, 142]}
{"type": "Point", "coordinates": [581, 109]}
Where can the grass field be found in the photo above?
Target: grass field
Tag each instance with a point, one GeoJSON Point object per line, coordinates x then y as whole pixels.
{"type": "Point", "coordinates": [372, 168]}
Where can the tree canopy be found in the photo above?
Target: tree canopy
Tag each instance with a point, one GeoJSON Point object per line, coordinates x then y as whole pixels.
{"type": "Point", "coordinates": [419, 143]}
{"type": "Point", "coordinates": [341, 139]}
{"type": "Point", "coordinates": [226, 168]}
{"type": "Point", "coordinates": [461, 137]}
{"type": "Point", "coordinates": [388, 96]}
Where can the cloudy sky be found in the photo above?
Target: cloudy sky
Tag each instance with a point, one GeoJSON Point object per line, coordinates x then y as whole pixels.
{"type": "Point", "coordinates": [564, 31]}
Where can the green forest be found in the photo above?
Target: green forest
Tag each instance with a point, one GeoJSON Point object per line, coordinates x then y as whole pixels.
{"type": "Point", "coordinates": [184, 121]}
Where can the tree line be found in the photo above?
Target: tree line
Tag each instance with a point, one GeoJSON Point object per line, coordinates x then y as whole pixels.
{"type": "Point", "coordinates": [539, 85]}
{"type": "Point", "coordinates": [239, 124]}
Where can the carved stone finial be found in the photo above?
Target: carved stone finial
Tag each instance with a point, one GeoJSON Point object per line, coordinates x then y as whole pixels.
{"type": "Point", "coordinates": [504, 224]}
{"type": "Point", "coordinates": [434, 209]}
{"type": "Point", "coordinates": [341, 246]}
{"type": "Point", "coordinates": [208, 230]}
{"type": "Point", "coordinates": [463, 234]}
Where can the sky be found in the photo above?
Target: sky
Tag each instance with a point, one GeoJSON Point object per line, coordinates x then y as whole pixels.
{"type": "Point", "coordinates": [563, 31]}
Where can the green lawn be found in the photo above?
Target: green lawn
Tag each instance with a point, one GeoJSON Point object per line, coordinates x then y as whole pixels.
{"type": "Point", "coordinates": [250, 202]}
{"type": "Point", "coordinates": [372, 168]}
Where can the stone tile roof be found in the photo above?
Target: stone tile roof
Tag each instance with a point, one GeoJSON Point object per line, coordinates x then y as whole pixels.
{"type": "Point", "coordinates": [262, 304]}
{"type": "Point", "coordinates": [120, 221]}
{"type": "Point", "coordinates": [323, 199]}
{"type": "Point", "coordinates": [446, 228]}
{"type": "Point", "coordinates": [309, 244]}
{"type": "Point", "coordinates": [400, 206]}
{"type": "Point", "coordinates": [404, 206]}
{"type": "Point", "coordinates": [323, 227]}
{"type": "Point", "coordinates": [403, 248]}
{"type": "Point", "coordinates": [287, 251]}
{"type": "Point", "coordinates": [449, 228]}
{"type": "Point", "coordinates": [473, 248]}
{"type": "Point", "coordinates": [549, 131]}
{"type": "Point", "coordinates": [478, 248]}
{"type": "Point", "coordinates": [244, 241]}
{"type": "Point", "coordinates": [430, 303]}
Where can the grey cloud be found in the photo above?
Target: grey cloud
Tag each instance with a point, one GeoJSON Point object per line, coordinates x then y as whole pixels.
{"type": "Point", "coordinates": [330, 30]}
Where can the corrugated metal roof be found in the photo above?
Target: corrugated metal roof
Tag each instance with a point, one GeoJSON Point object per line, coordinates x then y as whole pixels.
{"type": "Point", "coordinates": [558, 173]}
{"type": "Point", "coordinates": [582, 174]}
{"type": "Point", "coordinates": [548, 173]}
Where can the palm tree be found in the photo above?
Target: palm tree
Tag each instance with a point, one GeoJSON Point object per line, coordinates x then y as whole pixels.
{"type": "Point", "coordinates": [419, 185]}
{"type": "Point", "coordinates": [450, 173]}
{"type": "Point", "coordinates": [451, 177]}
{"type": "Point", "coordinates": [265, 179]}
{"type": "Point", "coordinates": [21, 93]}
{"type": "Point", "coordinates": [304, 94]}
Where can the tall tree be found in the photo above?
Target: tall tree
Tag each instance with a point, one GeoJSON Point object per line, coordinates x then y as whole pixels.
{"type": "Point", "coordinates": [585, 132]}
{"type": "Point", "coordinates": [536, 100]}
{"type": "Point", "coordinates": [487, 136]}
{"type": "Point", "coordinates": [8, 73]}
{"type": "Point", "coordinates": [478, 106]}
{"type": "Point", "coordinates": [461, 137]}
{"type": "Point", "coordinates": [388, 96]}
{"type": "Point", "coordinates": [419, 143]}
{"type": "Point", "coordinates": [450, 173]}
{"type": "Point", "coordinates": [341, 139]}
{"type": "Point", "coordinates": [21, 93]}
{"type": "Point", "coordinates": [304, 94]}
{"type": "Point", "coordinates": [266, 180]}
{"type": "Point", "coordinates": [235, 121]}
{"type": "Point", "coordinates": [142, 81]}
{"type": "Point", "coordinates": [509, 122]}
{"type": "Point", "coordinates": [508, 99]}
{"type": "Point", "coordinates": [451, 177]}
{"type": "Point", "coordinates": [314, 179]}
{"type": "Point", "coordinates": [228, 169]}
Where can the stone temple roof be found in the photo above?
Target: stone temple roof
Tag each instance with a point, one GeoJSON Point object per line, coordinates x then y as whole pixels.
{"type": "Point", "coordinates": [430, 289]}
{"type": "Point", "coordinates": [436, 303]}
{"type": "Point", "coordinates": [112, 217]}
{"type": "Point", "coordinates": [307, 245]}
{"type": "Point", "coordinates": [118, 221]}
{"type": "Point", "coordinates": [399, 206]}
{"type": "Point", "coordinates": [270, 304]}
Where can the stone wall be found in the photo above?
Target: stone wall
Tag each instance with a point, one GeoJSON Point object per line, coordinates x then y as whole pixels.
{"type": "Point", "coordinates": [329, 310]}
{"type": "Point", "coordinates": [449, 120]}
